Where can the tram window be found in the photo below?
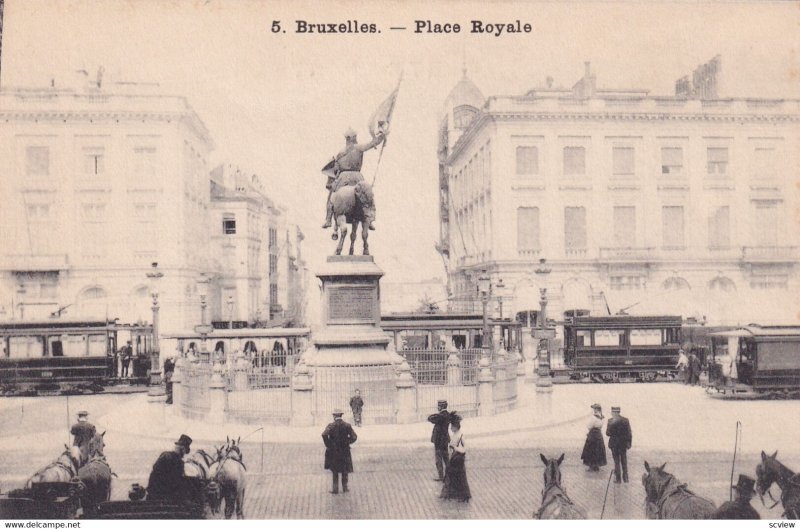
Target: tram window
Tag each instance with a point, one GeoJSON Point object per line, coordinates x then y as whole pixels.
{"type": "Point", "coordinates": [74, 345]}
{"type": "Point", "coordinates": [583, 338]}
{"type": "Point", "coordinates": [673, 335]}
{"type": "Point", "coordinates": [614, 337]}
{"type": "Point", "coordinates": [25, 347]}
{"type": "Point", "coordinates": [56, 348]}
{"type": "Point", "coordinates": [646, 337]}
{"type": "Point", "coordinates": [97, 345]}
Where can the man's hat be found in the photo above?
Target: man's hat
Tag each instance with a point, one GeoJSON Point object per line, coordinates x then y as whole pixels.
{"type": "Point", "coordinates": [442, 403]}
{"type": "Point", "coordinates": [337, 412]}
{"type": "Point", "coordinates": [596, 406]}
{"type": "Point", "coordinates": [746, 484]}
{"type": "Point", "coordinates": [185, 441]}
{"type": "Point", "coordinates": [83, 414]}
{"type": "Point", "coordinates": [350, 133]}
{"type": "Point", "coordinates": [615, 409]}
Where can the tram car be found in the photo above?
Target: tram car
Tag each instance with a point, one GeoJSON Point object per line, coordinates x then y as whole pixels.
{"type": "Point", "coordinates": [622, 348]}
{"type": "Point", "coordinates": [66, 356]}
{"type": "Point", "coordinates": [755, 362]}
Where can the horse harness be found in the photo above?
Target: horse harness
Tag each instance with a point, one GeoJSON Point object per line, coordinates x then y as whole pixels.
{"type": "Point", "coordinates": [560, 494]}
{"type": "Point", "coordinates": [679, 489]}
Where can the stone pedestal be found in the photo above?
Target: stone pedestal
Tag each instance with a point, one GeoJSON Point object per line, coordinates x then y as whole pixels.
{"type": "Point", "coordinates": [301, 397]}
{"type": "Point", "coordinates": [177, 385]}
{"type": "Point", "coordinates": [350, 350]}
{"type": "Point", "coordinates": [240, 370]}
{"type": "Point", "coordinates": [485, 388]}
{"type": "Point", "coordinates": [453, 369]}
{"type": "Point", "coordinates": [406, 397]}
{"type": "Point", "coordinates": [216, 397]}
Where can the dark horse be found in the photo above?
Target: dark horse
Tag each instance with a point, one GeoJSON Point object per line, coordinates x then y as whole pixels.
{"type": "Point", "coordinates": [669, 499]}
{"type": "Point", "coordinates": [347, 204]}
{"type": "Point", "coordinates": [95, 475]}
{"type": "Point", "coordinates": [770, 471]}
{"type": "Point", "coordinates": [556, 505]}
{"type": "Point", "coordinates": [228, 475]}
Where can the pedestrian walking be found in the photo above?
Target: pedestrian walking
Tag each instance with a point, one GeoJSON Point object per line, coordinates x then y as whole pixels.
{"type": "Point", "coordinates": [83, 431]}
{"type": "Point", "coordinates": [456, 486]}
{"type": "Point", "coordinates": [338, 436]}
{"type": "Point", "coordinates": [682, 366]}
{"type": "Point", "coordinates": [620, 437]}
{"type": "Point", "coordinates": [167, 482]}
{"type": "Point", "coordinates": [739, 508]}
{"type": "Point", "coordinates": [356, 405]}
{"type": "Point", "coordinates": [694, 364]}
{"type": "Point", "coordinates": [440, 438]}
{"type": "Point", "coordinates": [594, 449]}
{"type": "Point", "coordinates": [127, 355]}
{"type": "Point", "coordinates": [169, 371]}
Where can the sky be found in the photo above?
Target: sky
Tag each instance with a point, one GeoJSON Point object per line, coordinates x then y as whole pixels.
{"type": "Point", "coordinates": [278, 103]}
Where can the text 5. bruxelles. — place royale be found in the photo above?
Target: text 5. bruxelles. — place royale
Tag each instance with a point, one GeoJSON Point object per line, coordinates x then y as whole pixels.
{"type": "Point", "coordinates": [494, 28]}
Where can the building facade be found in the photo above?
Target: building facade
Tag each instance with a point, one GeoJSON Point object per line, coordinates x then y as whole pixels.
{"type": "Point", "coordinates": [98, 184]}
{"type": "Point", "coordinates": [636, 202]}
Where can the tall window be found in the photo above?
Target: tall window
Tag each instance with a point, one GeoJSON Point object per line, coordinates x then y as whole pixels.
{"type": "Point", "coordinates": [719, 228]}
{"type": "Point", "coordinates": [93, 161]}
{"type": "Point", "coordinates": [717, 160]}
{"type": "Point", "coordinates": [671, 160]}
{"type": "Point", "coordinates": [764, 163]}
{"type": "Point", "coordinates": [624, 226]}
{"type": "Point", "coordinates": [574, 161]}
{"type": "Point", "coordinates": [41, 227]}
{"type": "Point", "coordinates": [527, 161]}
{"type": "Point", "coordinates": [37, 160]}
{"type": "Point", "coordinates": [144, 233]}
{"type": "Point", "coordinates": [574, 228]}
{"type": "Point", "coordinates": [623, 161]}
{"type": "Point", "coordinates": [672, 227]}
{"type": "Point", "coordinates": [527, 229]}
{"type": "Point", "coordinates": [93, 231]}
{"type": "Point", "coordinates": [144, 161]}
{"type": "Point", "coordinates": [765, 223]}
{"type": "Point", "coordinates": [229, 224]}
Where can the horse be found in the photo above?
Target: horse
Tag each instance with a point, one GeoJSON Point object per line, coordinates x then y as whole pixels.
{"type": "Point", "coordinates": [198, 464]}
{"type": "Point", "coordinates": [95, 475]}
{"type": "Point", "coordinates": [556, 505]}
{"type": "Point", "coordinates": [348, 208]}
{"type": "Point", "coordinates": [228, 476]}
{"type": "Point", "coordinates": [62, 470]}
{"type": "Point", "coordinates": [668, 499]}
{"type": "Point", "coordinates": [770, 471]}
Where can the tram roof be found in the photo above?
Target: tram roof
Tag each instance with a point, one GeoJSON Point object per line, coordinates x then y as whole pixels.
{"type": "Point", "coordinates": [755, 330]}
{"type": "Point", "coordinates": [398, 321]}
{"type": "Point", "coordinates": [56, 323]}
{"type": "Point", "coordinates": [223, 334]}
{"type": "Point", "coordinates": [624, 321]}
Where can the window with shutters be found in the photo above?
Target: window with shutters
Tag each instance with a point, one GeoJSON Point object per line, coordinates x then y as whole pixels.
{"type": "Point", "coordinates": [527, 161]}
{"type": "Point", "coordinates": [624, 226]}
{"type": "Point", "coordinates": [574, 228]}
{"type": "Point", "coordinates": [671, 161]}
{"type": "Point", "coordinates": [717, 161]}
{"type": "Point", "coordinates": [528, 229]}
{"type": "Point", "coordinates": [574, 161]}
{"type": "Point", "coordinates": [719, 228]}
{"type": "Point", "coordinates": [37, 160]}
{"type": "Point", "coordinates": [672, 227]}
{"type": "Point", "coordinates": [623, 162]}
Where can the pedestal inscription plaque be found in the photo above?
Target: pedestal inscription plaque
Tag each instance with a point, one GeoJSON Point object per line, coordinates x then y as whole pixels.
{"type": "Point", "coordinates": [350, 303]}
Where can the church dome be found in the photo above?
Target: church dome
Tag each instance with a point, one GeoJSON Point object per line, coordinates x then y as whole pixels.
{"type": "Point", "coordinates": [465, 93]}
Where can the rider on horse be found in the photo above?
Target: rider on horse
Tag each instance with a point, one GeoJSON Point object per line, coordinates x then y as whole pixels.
{"type": "Point", "coordinates": [83, 432]}
{"type": "Point", "coordinates": [345, 170]}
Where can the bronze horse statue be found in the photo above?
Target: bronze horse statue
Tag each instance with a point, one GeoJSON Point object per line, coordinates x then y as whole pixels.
{"type": "Point", "coordinates": [62, 470]}
{"type": "Point", "coordinates": [668, 499]}
{"type": "Point", "coordinates": [228, 475]}
{"type": "Point", "coordinates": [347, 202]}
{"type": "Point", "coordinates": [556, 505]}
{"type": "Point", "coordinates": [771, 471]}
{"type": "Point", "coordinates": [95, 475]}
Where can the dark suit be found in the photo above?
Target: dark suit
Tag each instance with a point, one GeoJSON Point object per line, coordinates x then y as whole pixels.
{"type": "Point", "coordinates": [736, 510]}
{"type": "Point", "coordinates": [167, 482]}
{"type": "Point", "coordinates": [440, 438]}
{"type": "Point", "coordinates": [338, 436]}
{"type": "Point", "coordinates": [619, 441]}
{"type": "Point", "coordinates": [83, 432]}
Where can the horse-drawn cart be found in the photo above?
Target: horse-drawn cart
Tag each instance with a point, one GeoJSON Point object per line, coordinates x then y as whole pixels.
{"type": "Point", "coordinates": [43, 501]}
{"type": "Point", "coordinates": [194, 507]}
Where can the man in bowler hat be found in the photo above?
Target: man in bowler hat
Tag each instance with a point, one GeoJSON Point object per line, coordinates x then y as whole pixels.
{"type": "Point", "coordinates": [338, 436]}
{"type": "Point", "coordinates": [440, 438]}
{"type": "Point", "coordinates": [739, 508]}
{"type": "Point", "coordinates": [167, 481]}
{"type": "Point", "coordinates": [619, 435]}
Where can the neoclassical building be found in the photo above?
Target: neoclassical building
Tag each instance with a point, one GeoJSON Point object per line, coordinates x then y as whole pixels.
{"type": "Point", "coordinates": [682, 204]}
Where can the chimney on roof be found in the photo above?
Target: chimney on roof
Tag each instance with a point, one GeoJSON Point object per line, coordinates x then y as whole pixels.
{"type": "Point", "coordinates": [586, 86]}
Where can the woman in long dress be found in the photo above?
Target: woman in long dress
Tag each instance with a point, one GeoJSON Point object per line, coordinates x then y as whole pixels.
{"type": "Point", "coordinates": [594, 449]}
{"type": "Point", "coordinates": [456, 486]}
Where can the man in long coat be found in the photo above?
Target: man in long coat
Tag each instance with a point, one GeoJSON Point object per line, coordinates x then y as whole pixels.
{"type": "Point", "coordinates": [338, 436]}
{"type": "Point", "coordinates": [83, 431]}
{"type": "Point", "coordinates": [620, 437]}
{"type": "Point", "coordinates": [167, 482]}
{"type": "Point", "coordinates": [440, 437]}
{"type": "Point", "coordinates": [739, 508]}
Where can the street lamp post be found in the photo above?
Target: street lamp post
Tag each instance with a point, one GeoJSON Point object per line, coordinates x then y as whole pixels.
{"type": "Point", "coordinates": [203, 328]}
{"type": "Point", "coordinates": [155, 389]}
{"type": "Point", "coordinates": [543, 381]}
{"type": "Point", "coordinates": [499, 287]}
{"type": "Point", "coordinates": [484, 286]}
